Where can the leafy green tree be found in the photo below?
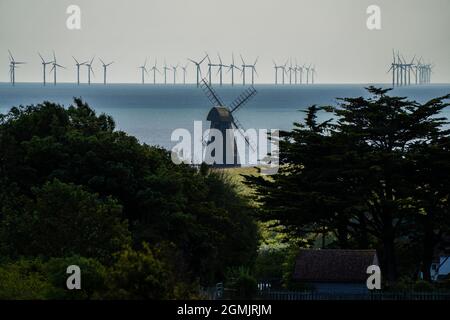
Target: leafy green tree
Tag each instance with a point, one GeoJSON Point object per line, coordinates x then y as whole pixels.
{"type": "Point", "coordinates": [62, 220]}
{"type": "Point", "coordinates": [198, 211]}
{"type": "Point", "coordinates": [352, 176]}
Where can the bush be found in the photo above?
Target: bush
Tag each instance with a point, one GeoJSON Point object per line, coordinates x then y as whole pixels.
{"type": "Point", "coordinates": [23, 280]}
{"type": "Point", "coordinates": [62, 220]}
{"type": "Point", "coordinates": [242, 283]}
{"type": "Point", "coordinates": [139, 275]}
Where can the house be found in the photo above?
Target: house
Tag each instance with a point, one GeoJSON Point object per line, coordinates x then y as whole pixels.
{"type": "Point", "coordinates": [334, 270]}
{"type": "Point", "coordinates": [440, 268]}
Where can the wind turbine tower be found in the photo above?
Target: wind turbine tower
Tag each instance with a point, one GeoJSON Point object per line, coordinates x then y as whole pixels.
{"type": "Point", "coordinates": [44, 66]}
{"type": "Point", "coordinates": [105, 65]}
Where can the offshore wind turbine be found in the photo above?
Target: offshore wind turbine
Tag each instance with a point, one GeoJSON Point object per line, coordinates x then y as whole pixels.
{"type": "Point", "coordinates": [12, 68]}
{"type": "Point", "coordinates": [105, 65]}
{"type": "Point", "coordinates": [220, 71]}
{"type": "Point", "coordinates": [44, 66]}
{"type": "Point", "coordinates": [313, 72]}
{"type": "Point", "coordinates": [89, 69]}
{"type": "Point", "coordinates": [154, 69]}
{"type": "Point", "coordinates": [252, 67]}
{"type": "Point", "coordinates": [184, 72]}
{"type": "Point", "coordinates": [143, 70]}
{"type": "Point", "coordinates": [210, 65]}
{"type": "Point", "coordinates": [199, 71]}
{"type": "Point", "coordinates": [78, 68]}
{"type": "Point", "coordinates": [165, 68]}
{"type": "Point", "coordinates": [55, 66]}
{"type": "Point", "coordinates": [231, 68]}
{"type": "Point", "coordinates": [308, 69]}
{"type": "Point", "coordinates": [278, 67]}
{"type": "Point", "coordinates": [174, 68]}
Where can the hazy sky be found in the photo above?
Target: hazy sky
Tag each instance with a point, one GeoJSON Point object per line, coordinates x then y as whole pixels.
{"type": "Point", "coordinates": [331, 34]}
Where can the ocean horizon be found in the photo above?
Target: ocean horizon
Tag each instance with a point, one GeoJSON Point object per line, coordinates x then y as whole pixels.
{"type": "Point", "coordinates": [152, 112]}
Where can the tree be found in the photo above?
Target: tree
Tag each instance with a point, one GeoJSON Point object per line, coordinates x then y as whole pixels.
{"type": "Point", "coordinates": [62, 220]}
{"type": "Point", "coordinates": [353, 175]}
{"type": "Point", "coordinates": [198, 211]}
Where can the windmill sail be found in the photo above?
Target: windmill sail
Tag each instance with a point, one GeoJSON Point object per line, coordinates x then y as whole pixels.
{"type": "Point", "coordinates": [211, 94]}
{"type": "Point", "coordinates": [243, 98]}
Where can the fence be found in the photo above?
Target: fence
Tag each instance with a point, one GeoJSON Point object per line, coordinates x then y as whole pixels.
{"type": "Point", "coordinates": [372, 296]}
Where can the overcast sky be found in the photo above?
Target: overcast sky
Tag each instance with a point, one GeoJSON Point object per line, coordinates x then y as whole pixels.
{"type": "Point", "coordinates": [331, 34]}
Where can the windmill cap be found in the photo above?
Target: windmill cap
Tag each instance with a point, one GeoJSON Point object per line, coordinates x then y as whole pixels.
{"type": "Point", "coordinates": [219, 114]}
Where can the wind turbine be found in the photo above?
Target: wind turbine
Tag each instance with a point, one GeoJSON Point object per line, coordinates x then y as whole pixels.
{"type": "Point", "coordinates": [277, 67]}
{"type": "Point", "coordinates": [78, 68]}
{"type": "Point", "coordinates": [55, 66]}
{"type": "Point", "coordinates": [184, 73]}
{"type": "Point", "coordinates": [199, 71]}
{"type": "Point", "coordinates": [220, 71]}
{"type": "Point", "coordinates": [307, 73]}
{"type": "Point", "coordinates": [105, 65]}
{"type": "Point", "coordinates": [231, 68]}
{"type": "Point", "coordinates": [210, 65]}
{"type": "Point", "coordinates": [44, 66]}
{"type": "Point", "coordinates": [165, 68]}
{"type": "Point", "coordinates": [143, 70]}
{"type": "Point", "coordinates": [154, 69]}
{"type": "Point", "coordinates": [394, 68]}
{"type": "Point", "coordinates": [89, 66]}
{"type": "Point", "coordinates": [290, 69]}
{"type": "Point", "coordinates": [313, 72]}
{"type": "Point", "coordinates": [252, 67]}
{"type": "Point", "coordinates": [12, 68]}
{"type": "Point", "coordinates": [174, 68]}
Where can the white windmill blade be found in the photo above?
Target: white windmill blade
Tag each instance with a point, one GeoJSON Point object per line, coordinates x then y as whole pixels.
{"type": "Point", "coordinates": [102, 61]}
{"type": "Point", "coordinates": [92, 70]}
{"type": "Point", "coordinates": [76, 61]}
{"type": "Point", "coordinates": [256, 61]}
{"type": "Point", "coordinates": [110, 63]}
{"type": "Point", "coordinates": [220, 59]}
{"type": "Point", "coordinates": [243, 62]}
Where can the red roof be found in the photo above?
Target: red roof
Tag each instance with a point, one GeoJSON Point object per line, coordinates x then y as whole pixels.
{"type": "Point", "coordinates": [333, 265]}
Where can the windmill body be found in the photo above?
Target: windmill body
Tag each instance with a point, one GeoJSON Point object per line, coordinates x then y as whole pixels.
{"type": "Point", "coordinates": [222, 119]}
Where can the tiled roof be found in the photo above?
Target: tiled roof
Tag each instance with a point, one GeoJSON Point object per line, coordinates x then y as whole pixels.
{"type": "Point", "coordinates": [335, 265]}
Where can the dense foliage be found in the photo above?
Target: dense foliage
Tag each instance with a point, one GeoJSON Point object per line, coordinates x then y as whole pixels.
{"type": "Point", "coordinates": [376, 174]}
{"type": "Point", "coordinates": [71, 185]}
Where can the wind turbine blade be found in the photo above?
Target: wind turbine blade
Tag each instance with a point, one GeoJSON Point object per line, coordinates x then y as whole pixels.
{"type": "Point", "coordinates": [43, 61]}
{"type": "Point", "coordinates": [243, 62]}
{"type": "Point", "coordinates": [256, 61]}
{"type": "Point", "coordinates": [102, 61]}
{"type": "Point", "coordinates": [11, 56]}
{"type": "Point", "coordinates": [76, 61]}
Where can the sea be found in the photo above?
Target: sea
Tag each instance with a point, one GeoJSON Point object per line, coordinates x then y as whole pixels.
{"type": "Point", "coordinates": [152, 112]}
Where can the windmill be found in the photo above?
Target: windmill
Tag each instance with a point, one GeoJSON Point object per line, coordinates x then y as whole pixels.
{"type": "Point", "coordinates": [78, 68]}
{"type": "Point", "coordinates": [12, 68]}
{"type": "Point", "coordinates": [277, 67]}
{"type": "Point", "coordinates": [300, 76]}
{"type": "Point", "coordinates": [55, 66]}
{"type": "Point", "coordinates": [174, 68]}
{"type": "Point", "coordinates": [223, 118]}
{"type": "Point", "coordinates": [199, 71]}
{"type": "Point", "coordinates": [154, 69]}
{"type": "Point", "coordinates": [143, 70]}
{"type": "Point", "coordinates": [231, 68]}
{"type": "Point", "coordinates": [89, 69]}
{"type": "Point", "coordinates": [105, 65]}
{"type": "Point", "coordinates": [44, 66]}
